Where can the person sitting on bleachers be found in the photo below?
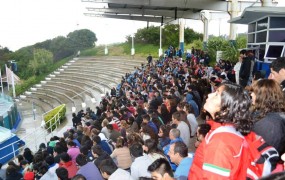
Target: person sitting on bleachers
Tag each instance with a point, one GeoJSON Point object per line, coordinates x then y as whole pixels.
{"type": "Point", "coordinates": [67, 163]}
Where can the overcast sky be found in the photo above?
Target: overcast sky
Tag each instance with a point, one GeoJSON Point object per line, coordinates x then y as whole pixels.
{"type": "Point", "coordinates": [26, 22]}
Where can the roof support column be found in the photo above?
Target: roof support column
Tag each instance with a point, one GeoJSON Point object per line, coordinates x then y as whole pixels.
{"type": "Point", "coordinates": [181, 34]}
{"type": "Point", "coordinates": [266, 3]}
{"type": "Point", "coordinates": [234, 10]}
{"type": "Point", "coordinates": [205, 17]}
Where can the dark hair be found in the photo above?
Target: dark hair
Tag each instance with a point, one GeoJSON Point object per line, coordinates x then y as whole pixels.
{"type": "Point", "coordinates": [165, 130]}
{"type": "Point", "coordinates": [243, 51]}
{"type": "Point", "coordinates": [78, 177]}
{"type": "Point", "coordinates": [84, 150]}
{"type": "Point", "coordinates": [146, 117]}
{"type": "Point", "coordinates": [108, 166]}
{"type": "Point", "coordinates": [269, 97]}
{"type": "Point", "coordinates": [97, 150]}
{"type": "Point", "coordinates": [110, 126]}
{"type": "Point", "coordinates": [81, 160]}
{"type": "Point", "coordinates": [151, 144]}
{"type": "Point", "coordinates": [62, 173]}
{"type": "Point", "coordinates": [181, 149]}
{"type": "Point", "coordinates": [278, 64]}
{"type": "Point", "coordinates": [96, 139]}
{"type": "Point", "coordinates": [65, 157]}
{"type": "Point", "coordinates": [203, 129]}
{"type": "Point", "coordinates": [71, 143]}
{"type": "Point", "coordinates": [120, 142]}
{"type": "Point", "coordinates": [58, 149]}
{"type": "Point", "coordinates": [161, 166]}
{"type": "Point", "coordinates": [176, 115]}
{"type": "Point", "coordinates": [136, 150]}
{"type": "Point", "coordinates": [235, 104]}
{"type": "Point", "coordinates": [189, 108]}
{"type": "Point", "coordinates": [49, 160]}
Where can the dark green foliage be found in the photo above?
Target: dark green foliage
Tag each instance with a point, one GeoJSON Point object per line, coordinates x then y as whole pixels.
{"type": "Point", "coordinates": [170, 35]}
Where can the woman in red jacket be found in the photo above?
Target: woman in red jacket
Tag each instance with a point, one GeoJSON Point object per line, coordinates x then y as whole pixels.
{"type": "Point", "coordinates": [219, 155]}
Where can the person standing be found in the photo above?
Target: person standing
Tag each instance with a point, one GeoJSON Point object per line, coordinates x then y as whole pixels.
{"type": "Point", "coordinates": [245, 67]}
{"type": "Point", "coordinates": [237, 69]}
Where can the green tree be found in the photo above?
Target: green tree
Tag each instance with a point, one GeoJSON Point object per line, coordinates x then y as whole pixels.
{"type": "Point", "coordinates": [41, 61]}
{"type": "Point", "coordinates": [170, 35]}
{"type": "Point", "coordinates": [81, 39]}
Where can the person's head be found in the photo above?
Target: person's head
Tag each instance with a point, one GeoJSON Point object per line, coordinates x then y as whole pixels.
{"type": "Point", "coordinates": [267, 96]}
{"type": "Point", "coordinates": [62, 173]}
{"type": "Point", "coordinates": [120, 142]}
{"type": "Point", "coordinates": [97, 151]}
{"type": "Point", "coordinates": [177, 152]}
{"type": "Point", "coordinates": [150, 146]}
{"type": "Point", "coordinates": [136, 150]}
{"type": "Point", "coordinates": [11, 170]}
{"type": "Point", "coordinates": [71, 144]}
{"type": "Point", "coordinates": [242, 53]}
{"type": "Point", "coordinates": [110, 127]}
{"type": "Point", "coordinates": [202, 131]}
{"type": "Point", "coordinates": [188, 108]}
{"type": "Point", "coordinates": [277, 68]}
{"type": "Point", "coordinates": [105, 122]}
{"type": "Point", "coordinates": [49, 160]}
{"type": "Point", "coordinates": [96, 139]}
{"type": "Point", "coordinates": [174, 133]}
{"type": "Point", "coordinates": [176, 117]}
{"type": "Point", "coordinates": [230, 104]}
{"type": "Point", "coordinates": [78, 177]}
{"type": "Point", "coordinates": [64, 157]}
{"type": "Point", "coordinates": [57, 150]}
{"type": "Point", "coordinates": [81, 160]}
{"type": "Point", "coordinates": [146, 118]}
{"type": "Point", "coordinates": [164, 131]}
{"type": "Point", "coordinates": [160, 169]}
{"type": "Point", "coordinates": [107, 168]}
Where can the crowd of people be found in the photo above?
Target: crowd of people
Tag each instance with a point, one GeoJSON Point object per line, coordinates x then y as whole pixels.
{"type": "Point", "coordinates": [172, 119]}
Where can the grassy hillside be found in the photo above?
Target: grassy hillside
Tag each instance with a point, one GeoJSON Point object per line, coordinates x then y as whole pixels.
{"type": "Point", "coordinates": [123, 49]}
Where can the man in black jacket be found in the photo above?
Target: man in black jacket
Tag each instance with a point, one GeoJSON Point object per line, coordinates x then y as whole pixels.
{"type": "Point", "coordinates": [244, 71]}
{"type": "Point", "coordinates": [277, 69]}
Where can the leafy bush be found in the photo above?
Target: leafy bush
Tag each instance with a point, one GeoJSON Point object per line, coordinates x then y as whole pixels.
{"type": "Point", "coordinates": [51, 117]}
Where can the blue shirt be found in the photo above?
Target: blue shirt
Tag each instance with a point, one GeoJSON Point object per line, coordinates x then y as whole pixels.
{"type": "Point", "coordinates": [183, 169]}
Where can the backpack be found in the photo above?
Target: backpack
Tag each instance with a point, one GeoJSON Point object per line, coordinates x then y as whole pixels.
{"type": "Point", "coordinates": [261, 157]}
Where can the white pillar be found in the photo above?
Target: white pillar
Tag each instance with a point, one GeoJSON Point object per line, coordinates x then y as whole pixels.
{"type": "Point", "coordinates": [205, 16]}
{"type": "Point", "coordinates": [160, 41]}
{"type": "Point", "coordinates": [106, 49]}
{"type": "Point", "coordinates": [133, 46]}
{"type": "Point", "coordinates": [266, 3]}
{"type": "Point", "coordinates": [181, 34]}
{"type": "Point", "coordinates": [233, 13]}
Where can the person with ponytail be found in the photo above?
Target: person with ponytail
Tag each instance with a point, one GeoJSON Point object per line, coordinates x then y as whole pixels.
{"type": "Point", "coordinates": [219, 156]}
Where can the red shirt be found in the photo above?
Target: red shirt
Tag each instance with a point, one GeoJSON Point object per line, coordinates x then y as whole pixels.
{"type": "Point", "coordinates": [220, 158]}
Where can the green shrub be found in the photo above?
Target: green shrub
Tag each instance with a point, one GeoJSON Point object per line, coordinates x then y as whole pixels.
{"type": "Point", "coordinates": [50, 119]}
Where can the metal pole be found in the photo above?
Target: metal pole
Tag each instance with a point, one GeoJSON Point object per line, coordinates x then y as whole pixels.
{"type": "Point", "coordinates": [13, 84]}
{"type": "Point", "coordinates": [1, 81]}
{"type": "Point", "coordinates": [160, 42]}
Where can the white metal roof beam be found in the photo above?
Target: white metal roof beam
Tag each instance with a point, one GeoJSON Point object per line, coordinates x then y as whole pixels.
{"type": "Point", "coordinates": [164, 13]}
{"type": "Point", "coordinates": [216, 5]}
{"type": "Point", "coordinates": [135, 18]}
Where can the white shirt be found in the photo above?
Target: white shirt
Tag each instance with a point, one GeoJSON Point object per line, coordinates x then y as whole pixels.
{"type": "Point", "coordinates": [184, 132]}
{"type": "Point", "coordinates": [120, 174]}
{"type": "Point", "coordinates": [139, 167]}
{"type": "Point", "coordinates": [193, 123]}
{"type": "Point", "coordinates": [50, 174]}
